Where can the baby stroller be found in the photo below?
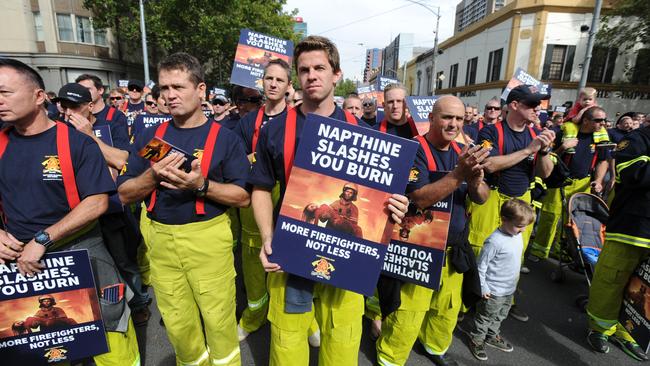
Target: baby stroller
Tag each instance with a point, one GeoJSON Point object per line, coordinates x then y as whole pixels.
{"type": "Point", "coordinates": [585, 236]}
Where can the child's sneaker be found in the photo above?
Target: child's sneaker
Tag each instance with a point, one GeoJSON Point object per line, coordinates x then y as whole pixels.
{"type": "Point", "coordinates": [499, 343]}
{"type": "Point", "coordinates": [478, 350]}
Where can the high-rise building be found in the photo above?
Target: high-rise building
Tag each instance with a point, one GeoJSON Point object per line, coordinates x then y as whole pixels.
{"type": "Point", "coordinates": [300, 27]}
{"type": "Point", "coordinates": [403, 48]}
{"type": "Point", "coordinates": [373, 61]}
{"type": "Point", "coordinates": [469, 12]}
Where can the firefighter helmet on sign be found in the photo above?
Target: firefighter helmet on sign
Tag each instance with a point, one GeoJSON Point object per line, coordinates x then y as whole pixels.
{"type": "Point", "coordinates": [353, 187]}
{"type": "Point", "coordinates": [46, 297]}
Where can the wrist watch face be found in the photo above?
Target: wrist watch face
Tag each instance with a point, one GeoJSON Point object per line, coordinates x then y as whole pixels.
{"type": "Point", "coordinates": [42, 237]}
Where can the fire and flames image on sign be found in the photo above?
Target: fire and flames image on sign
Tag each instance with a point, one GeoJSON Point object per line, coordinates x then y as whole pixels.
{"type": "Point", "coordinates": [333, 225]}
{"type": "Point", "coordinates": [254, 51]}
{"type": "Point", "coordinates": [635, 310]}
{"type": "Point", "coordinates": [52, 316]}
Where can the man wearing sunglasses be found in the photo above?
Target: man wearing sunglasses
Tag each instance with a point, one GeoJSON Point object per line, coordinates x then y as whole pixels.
{"type": "Point", "coordinates": [156, 113]}
{"type": "Point", "coordinates": [220, 107]}
{"type": "Point", "coordinates": [246, 100]}
{"type": "Point", "coordinates": [490, 116]}
{"type": "Point", "coordinates": [585, 160]}
{"type": "Point", "coordinates": [519, 153]}
{"type": "Point", "coordinates": [135, 104]}
{"type": "Point", "coordinates": [370, 113]}
{"type": "Point", "coordinates": [115, 98]}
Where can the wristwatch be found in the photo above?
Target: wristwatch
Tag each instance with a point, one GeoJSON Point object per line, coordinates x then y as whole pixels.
{"type": "Point", "coordinates": [43, 238]}
{"type": "Point", "coordinates": [201, 192]}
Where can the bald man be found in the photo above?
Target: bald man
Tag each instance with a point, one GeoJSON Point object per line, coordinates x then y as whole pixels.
{"type": "Point", "coordinates": [425, 314]}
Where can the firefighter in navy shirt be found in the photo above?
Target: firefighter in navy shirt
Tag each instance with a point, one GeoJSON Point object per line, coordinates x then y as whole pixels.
{"type": "Point", "coordinates": [318, 67]}
{"type": "Point", "coordinates": [395, 121]}
{"type": "Point", "coordinates": [188, 238]}
{"type": "Point", "coordinates": [438, 310]}
{"type": "Point", "coordinates": [276, 80]}
{"type": "Point", "coordinates": [156, 113]}
{"type": "Point", "coordinates": [56, 199]}
{"type": "Point", "coordinates": [512, 166]}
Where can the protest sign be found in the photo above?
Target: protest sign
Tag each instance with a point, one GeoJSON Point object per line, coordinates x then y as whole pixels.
{"type": "Point", "coordinates": [157, 149]}
{"type": "Point", "coordinates": [521, 77]}
{"type": "Point", "coordinates": [122, 83]}
{"type": "Point", "coordinates": [383, 81]}
{"type": "Point", "coordinates": [636, 306]}
{"type": "Point", "coordinates": [254, 52]}
{"type": "Point", "coordinates": [416, 252]}
{"type": "Point", "coordinates": [53, 316]}
{"type": "Point", "coordinates": [420, 107]}
{"type": "Point", "coordinates": [333, 225]}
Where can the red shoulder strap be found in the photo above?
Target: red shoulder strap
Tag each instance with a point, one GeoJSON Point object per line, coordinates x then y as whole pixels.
{"type": "Point", "coordinates": [258, 124]}
{"type": "Point", "coordinates": [65, 160]}
{"type": "Point", "coordinates": [290, 138]}
{"type": "Point", "coordinates": [383, 126]}
{"type": "Point", "coordinates": [533, 134]}
{"type": "Point", "coordinates": [499, 127]}
{"type": "Point", "coordinates": [160, 133]}
{"type": "Point", "coordinates": [431, 162]}
{"type": "Point", "coordinates": [206, 159]}
{"type": "Point", "coordinates": [289, 143]}
{"type": "Point", "coordinates": [454, 145]}
{"type": "Point", "coordinates": [4, 139]}
{"type": "Point", "coordinates": [480, 125]}
{"type": "Point", "coordinates": [110, 114]}
{"type": "Point", "coordinates": [350, 118]}
{"type": "Point", "coordinates": [125, 106]}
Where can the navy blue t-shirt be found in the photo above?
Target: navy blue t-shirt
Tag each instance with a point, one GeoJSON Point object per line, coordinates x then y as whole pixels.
{"type": "Point", "coordinates": [145, 120]}
{"type": "Point", "coordinates": [403, 131]}
{"type": "Point", "coordinates": [514, 181]}
{"type": "Point", "coordinates": [445, 162]}
{"type": "Point", "coordinates": [231, 121]}
{"type": "Point", "coordinates": [471, 131]}
{"type": "Point", "coordinates": [137, 107]}
{"type": "Point", "coordinates": [580, 163]}
{"type": "Point", "coordinates": [118, 125]}
{"type": "Point", "coordinates": [176, 207]}
{"type": "Point", "coordinates": [31, 184]}
{"type": "Point", "coordinates": [246, 127]}
{"type": "Point", "coordinates": [269, 154]}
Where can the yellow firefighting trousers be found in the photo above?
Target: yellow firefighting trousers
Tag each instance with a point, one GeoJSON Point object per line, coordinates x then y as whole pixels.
{"type": "Point", "coordinates": [193, 276]}
{"type": "Point", "coordinates": [424, 314]}
{"type": "Point", "coordinates": [338, 313]}
{"type": "Point", "coordinates": [547, 236]}
{"type": "Point", "coordinates": [615, 265]}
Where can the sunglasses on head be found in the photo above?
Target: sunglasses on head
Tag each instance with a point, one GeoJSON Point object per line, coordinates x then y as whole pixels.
{"type": "Point", "coordinates": [150, 103]}
{"type": "Point", "coordinates": [116, 98]}
{"type": "Point", "coordinates": [490, 108]}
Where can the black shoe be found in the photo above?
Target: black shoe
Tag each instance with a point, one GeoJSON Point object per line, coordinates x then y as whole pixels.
{"type": "Point", "coordinates": [442, 360]}
{"type": "Point", "coordinates": [499, 343]}
{"type": "Point", "coordinates": [630, 348]}
{"type": "Point", "coordinates": [518, 314]}
{"type": "Point", "coordinates": [162, 323]}
{"type": "Point", "coordinates": [478, 350]}
{"type": "Point", "coordinates": [461, 317]}
{"type": "Point", "coordinates": [598, 341]}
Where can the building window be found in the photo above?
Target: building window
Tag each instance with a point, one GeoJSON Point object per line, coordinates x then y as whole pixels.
{"type": "Point", "coordinates": [439, 80]}
{"type": "Point", "coordinates": [558, 62]}
{"type": "Point", "coordinates": [470, 76]}
{"type": "Point", "coordinates": [453, 75]}
{"type": "Point", "coordinates": [419, 82]}
{"type": "Point", "coordinates": [84, 30]}
{"type": "Point", "coordinates": [100, 37]}
{"type": "Point", "coordinates": [494, 66]}
{"type": "Point", "coordinates": [641, 73]}
{"type": "Point", "coordinates": [601, 67]}
{"type": "Point", "coordinates": [64, 25]}
{"type": "Point", "coordinates": [429, 81]}
{"type": "Point", "coordinates": [38, 25]}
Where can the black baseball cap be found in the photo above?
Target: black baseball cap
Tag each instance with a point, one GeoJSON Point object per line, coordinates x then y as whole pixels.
{"type": "Point", "coordinates": [527, 94]}
{"type": "Point", "coordinates": [135, 83]}
{"type": "Point", "coordinates": [220, 99]}
{"type": "Point", "coordinates": [75, 93]}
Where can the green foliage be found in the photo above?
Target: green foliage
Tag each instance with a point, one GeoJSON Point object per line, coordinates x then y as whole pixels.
{"type": "Point", "coordinates": [633, 25]}
{"type": "Point", "coordinates": [207, 29]}
{"type": "Point", "coordinates": [345, 87]}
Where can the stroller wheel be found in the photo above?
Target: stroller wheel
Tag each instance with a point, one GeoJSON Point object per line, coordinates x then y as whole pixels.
{"type": "Point", "coordinates": [558, 275]}
{"type": "Point", "coordinates": [581, 302]}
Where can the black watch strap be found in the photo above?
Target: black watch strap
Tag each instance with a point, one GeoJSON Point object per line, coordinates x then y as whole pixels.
{"type": "Point", "coordinates": [201, 192]}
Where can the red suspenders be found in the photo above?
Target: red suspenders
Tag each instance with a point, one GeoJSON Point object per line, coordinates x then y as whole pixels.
{"type": "Point", "coordinates": [383, 126]}
{"type": "Point", "coordinates": [65, 161]}
{"type": "Point", "coordinates": [206, 159]}
{"type": "Point", "coordinates": [290, 138]}
{"type": "Point", "coordinates": [431, 162]}
{"type": "Point", "coordinates": [110, 114]}
{"type": "Point", "coordinates": [258, 125]}
{"type": "Point", "coordinates": [499, 127]}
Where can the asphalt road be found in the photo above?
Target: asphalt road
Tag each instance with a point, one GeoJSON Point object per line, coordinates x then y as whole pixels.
{"type": "Point", "coordinates": [554, 335]}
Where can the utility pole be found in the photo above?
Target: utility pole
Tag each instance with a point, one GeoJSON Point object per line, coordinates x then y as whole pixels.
{"type": "Point", "coordinates": [435, 42]}
{"type": "Point", "coordinates": [145, 55]}
{"type": "Point", "coordinates": [590, 44]}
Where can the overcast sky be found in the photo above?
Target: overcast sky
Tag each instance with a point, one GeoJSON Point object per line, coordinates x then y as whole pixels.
{"type": "Point", "coordinates": [373, 23]}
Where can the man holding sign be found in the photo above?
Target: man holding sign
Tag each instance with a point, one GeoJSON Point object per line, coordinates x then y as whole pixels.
{"type": "Point", "coordinates": [438, 310]}
{"type": "Point", "coordinates": [338, 311]}
{"type": "Point", "coordinates": [56, 199]}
